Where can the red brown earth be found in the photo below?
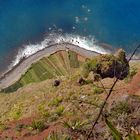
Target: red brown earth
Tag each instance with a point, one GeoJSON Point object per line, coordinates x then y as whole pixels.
{"type": "Point", "coordinates": [25, 134]}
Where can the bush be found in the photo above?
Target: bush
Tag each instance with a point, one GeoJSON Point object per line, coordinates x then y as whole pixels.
{"type": "Point", "coordinates": [88, 67]}
{"type": "Point", "coordinates": [16, 112]}
{"type": "Point", "coordinates": [38, 125]}
{"type": "Point", "coordinates": [55, 102]}
{"type": "Point", "coordinates": [97, 90]}
{"type": "Point", "coordinates": [120, 108]}
{"type": "Point", "coordinates": [60, 110]}
{"type": "Point", "coordinates": [74, 124]}
{"type": "Point", "coordinates": [3, 127]}
{"type": "Point", "coordinates": [43, 111]}
{"type": "Point", "coordinates": [132, 72]}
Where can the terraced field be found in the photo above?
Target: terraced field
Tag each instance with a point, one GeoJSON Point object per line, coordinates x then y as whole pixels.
{"type": "Point", "coordinates": [61, 63]}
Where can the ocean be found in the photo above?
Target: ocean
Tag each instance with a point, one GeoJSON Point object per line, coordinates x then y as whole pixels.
{"type": "Point", "coordinates": [27, 26]}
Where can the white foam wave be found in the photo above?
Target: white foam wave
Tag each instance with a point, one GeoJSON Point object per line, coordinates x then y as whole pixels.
{"type": "Point", "coordinates": [89, 43]}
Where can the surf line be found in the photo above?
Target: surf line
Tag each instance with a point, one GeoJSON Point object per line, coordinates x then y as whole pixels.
{"type": "Point", "coordinates": [15, 73]}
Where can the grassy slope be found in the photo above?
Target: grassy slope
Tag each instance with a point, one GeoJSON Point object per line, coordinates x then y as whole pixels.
{"type": "Point", "coordinates": [42, 98]}
{"type": "Point", "coordinates": [52, 104]}
{"type": "Point", "coordinates": [61, 63]}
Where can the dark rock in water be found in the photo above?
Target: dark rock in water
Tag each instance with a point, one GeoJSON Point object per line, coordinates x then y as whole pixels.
{"type": "Point", "coordinates": [56, 83]}
{"type": "Point", "coordinates": [108, 65]}
{"type": "Point", "coordinates": [81, 81]}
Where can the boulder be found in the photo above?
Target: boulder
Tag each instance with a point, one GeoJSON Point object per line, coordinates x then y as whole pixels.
{"type": "Point", "coordinates": [56, 83]}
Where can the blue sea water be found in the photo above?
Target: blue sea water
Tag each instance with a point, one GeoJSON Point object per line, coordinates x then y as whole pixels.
{"type": "Point", "coordinates": [115, 22]}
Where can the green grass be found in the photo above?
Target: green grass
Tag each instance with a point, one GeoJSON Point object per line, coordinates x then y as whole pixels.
{"type": "Point", "coordinates": [16, 112]}
{"type": "Point", "coordinates": [38, 125]}
{"type": "Point", "coordinates": [73, 60]}
{"type": "Point", "coordinates": [132, 72]}
{"type": "Point", "coordinates": [98, 90]}
{"type": "Point", "coordinates": [55, 102]}
{"type": "Point", "coordinates": [59, 110]}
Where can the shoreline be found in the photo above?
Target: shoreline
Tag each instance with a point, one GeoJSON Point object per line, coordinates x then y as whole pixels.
{"type": "Point", "coordinates": [13, 75]}
{"type": "Point", "coordinates": [12, 68]}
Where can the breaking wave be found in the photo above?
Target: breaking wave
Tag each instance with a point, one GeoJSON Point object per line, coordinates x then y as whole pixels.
{"type": "Point", "coordinates": [88, 43]}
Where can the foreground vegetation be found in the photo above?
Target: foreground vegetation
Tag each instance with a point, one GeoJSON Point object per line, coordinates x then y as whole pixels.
{"type": "Point", "coordinates": [71, 106]}
{"type": "Point", "coordinates": [66, 111]}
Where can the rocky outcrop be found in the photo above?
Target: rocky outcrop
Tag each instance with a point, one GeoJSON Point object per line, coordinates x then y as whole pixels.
{"type": "Point", "coordinates": [108, 65]}
{"type": "Point", "coordinates": [56, 83]}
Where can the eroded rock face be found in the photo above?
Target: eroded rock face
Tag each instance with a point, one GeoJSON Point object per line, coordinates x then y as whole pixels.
{"type": "Point", "coordinates": [108, 65]}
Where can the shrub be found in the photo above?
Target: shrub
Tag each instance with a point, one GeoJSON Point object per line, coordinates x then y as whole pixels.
{"type": "Point", "coordinates": [120, 108]}
{"type": "Point", "coordinates": [38, 125]}
{"type": "Point", "coordinates": [55, 102]}
{"type": "Point", "coordinates": [88, 67]}
{"type": "Point", "coordinates": [3, 127]}
{"type": "Point", "coordinates": [44, 112]}
{"type": "Point", "coordinates": [132, 72]}
{"type": "Point", "coordinates": [74, 124]}
{"type": "Point", "coordinates": [59, 111]}
{"type": "Point", "coordinates": [97, 90]}
{"type": "Point", "coordinates": [16, 112]}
